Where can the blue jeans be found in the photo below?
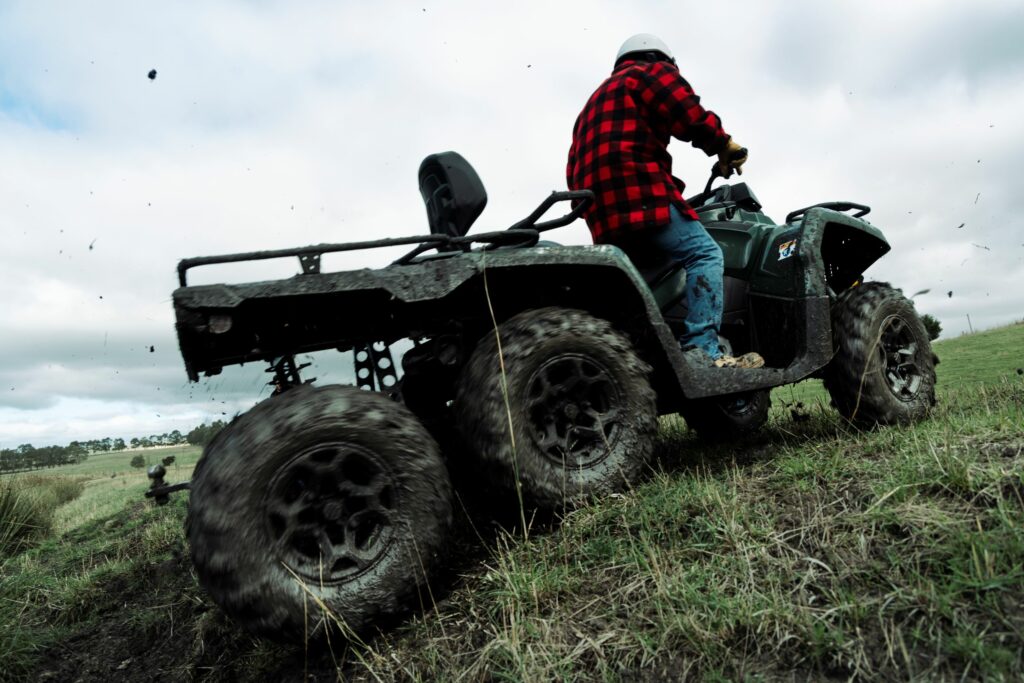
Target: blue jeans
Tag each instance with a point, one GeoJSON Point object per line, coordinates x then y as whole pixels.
{"type": "Point", "coordinates": [687, 242]}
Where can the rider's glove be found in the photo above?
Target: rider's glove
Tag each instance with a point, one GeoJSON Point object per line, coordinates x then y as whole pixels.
{"type": "Point", "coordinates": [731, 159]}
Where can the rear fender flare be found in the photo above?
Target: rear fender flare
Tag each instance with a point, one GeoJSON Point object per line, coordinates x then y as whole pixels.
{"type": "Point", "coordinates": [600, 280]}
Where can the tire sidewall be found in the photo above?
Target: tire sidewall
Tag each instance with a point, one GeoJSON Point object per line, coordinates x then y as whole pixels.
{"type": "Point", "coordinates": [528, 341]}
{"type": "Point", "coordinates": [537, 465]}
{"type": "Point", "coordinates": [856, 379]}
{"type": "Point", "coordinates": [229, 496]}
{"type": "Point", "coordinates": [875, 368]}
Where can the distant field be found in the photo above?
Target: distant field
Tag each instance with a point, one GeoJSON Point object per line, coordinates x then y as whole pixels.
{"type": "Point", "coordinates": [111, 483]}
{"type": "Point", "coordinates": [117, 463]}
{"type": "Point", "coordinates": [988, 357]}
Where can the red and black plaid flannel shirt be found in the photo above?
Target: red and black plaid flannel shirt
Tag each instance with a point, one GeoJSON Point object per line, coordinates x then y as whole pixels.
{"type": "Point", "coordinates": [620, 147]}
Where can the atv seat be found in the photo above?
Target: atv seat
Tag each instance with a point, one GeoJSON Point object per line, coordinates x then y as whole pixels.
{"type": "Point", "coordinates": [452, 192]}
{"type": "Point", "coordinates": [670, 287]}
{"type": "Point", "coordinates": [665, 277]}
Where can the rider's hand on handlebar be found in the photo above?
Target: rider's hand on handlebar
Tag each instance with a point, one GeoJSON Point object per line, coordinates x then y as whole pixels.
{"type": "Point", "coordinates": [731, 159]}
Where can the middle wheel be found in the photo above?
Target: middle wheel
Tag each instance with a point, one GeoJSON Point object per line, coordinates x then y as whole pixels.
{"type": "Point", "coordinates": [578, 418]}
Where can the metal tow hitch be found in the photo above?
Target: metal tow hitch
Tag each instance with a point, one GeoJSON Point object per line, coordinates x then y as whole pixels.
{"type": "Point", "coordinates": [159, 490]}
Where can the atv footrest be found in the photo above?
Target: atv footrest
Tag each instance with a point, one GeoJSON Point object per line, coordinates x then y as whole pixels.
{"type": "Point", "coordinates": [709, 380]}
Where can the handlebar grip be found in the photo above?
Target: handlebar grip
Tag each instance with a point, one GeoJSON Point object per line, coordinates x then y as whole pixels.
{"type": "Point", "coordinates": [716, 172]}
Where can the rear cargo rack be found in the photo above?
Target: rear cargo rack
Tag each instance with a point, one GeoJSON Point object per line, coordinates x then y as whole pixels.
{"type": "Point", "coordinates": [309, 257]}
{"type": "Point", "coordinates": [524, 233]}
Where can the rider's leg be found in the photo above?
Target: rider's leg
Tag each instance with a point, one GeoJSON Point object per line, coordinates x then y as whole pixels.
{"type": "Point", "coordinates": [690, 244]}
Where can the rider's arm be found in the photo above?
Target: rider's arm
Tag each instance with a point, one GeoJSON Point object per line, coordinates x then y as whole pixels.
{"type": "Point", "coordinates": [673, 101]}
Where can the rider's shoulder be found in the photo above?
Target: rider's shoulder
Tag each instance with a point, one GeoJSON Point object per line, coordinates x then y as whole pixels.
{"type": "Point", "coordinates": [649, 69]}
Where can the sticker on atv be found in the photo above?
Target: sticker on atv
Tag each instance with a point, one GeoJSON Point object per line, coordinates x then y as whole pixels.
{"type": "Point", "coordinates": [787, 249]}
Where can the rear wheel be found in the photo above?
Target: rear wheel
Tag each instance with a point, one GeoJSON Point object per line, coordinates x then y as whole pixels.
{"type": "Point", "coordinates": [328, 495]}
{"type": "Point", "coordinates": [724, 418]}
{"type": "Point", "coordinates": [580, 416]}
{"type": "Point", "coordinates": [883, 371]}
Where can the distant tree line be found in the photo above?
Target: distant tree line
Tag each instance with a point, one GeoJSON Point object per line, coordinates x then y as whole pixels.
{"type": "Point", "coordinates": [933, 326]}
{"type": "Point", "coordinates": [28, 457]}
{"type": "Point", "coordinates": [203, 434]}
{"type": "Point", "coordinates": [175, 438]}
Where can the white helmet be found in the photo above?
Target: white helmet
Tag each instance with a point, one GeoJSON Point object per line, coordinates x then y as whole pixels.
{"type": "Point", "coordinates": [643, 42]}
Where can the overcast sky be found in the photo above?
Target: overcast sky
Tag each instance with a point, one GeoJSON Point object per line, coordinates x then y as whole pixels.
{"type": "Point", "coordinates": [276, 124]}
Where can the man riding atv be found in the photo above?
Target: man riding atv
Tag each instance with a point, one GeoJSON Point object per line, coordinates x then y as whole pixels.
{"type": "Point", "coordinates": [620, 152]}
{"type": "Point", "coordinates": [545, 367]}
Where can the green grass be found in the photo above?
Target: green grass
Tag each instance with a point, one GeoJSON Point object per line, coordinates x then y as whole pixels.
{"type": "Point", "coordinates": [981, 358]}
{"type": "Point", "coordinates": [115, 484]}
{"type": "Point", "coordinates": [27, 507]}
{"type": "Point", "coordinates": [971, 360]}
{"type": "Point", "coordinates": [886, 555]}
{"type": "Point", "coordinates": [812, 551]}
{"type": "Point", "coordinates": [84, 580]}
{"type": "Point", "coordinates": [101, 530]}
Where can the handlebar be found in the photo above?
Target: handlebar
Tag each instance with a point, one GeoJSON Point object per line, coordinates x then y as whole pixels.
{"type": "Point", "coordinates": [716, 172]}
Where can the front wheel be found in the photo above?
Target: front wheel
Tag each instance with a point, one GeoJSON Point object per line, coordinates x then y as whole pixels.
{"type": "Point", "coordinates": [883, 371]}
{"type": "Point", "coordinates": [562, 408]}
{"type": "Point", "coordinates": [319, 507]}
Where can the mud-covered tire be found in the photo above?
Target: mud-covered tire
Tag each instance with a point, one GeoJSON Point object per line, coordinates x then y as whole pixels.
{"type": "Point", "coordinates": [727, 418]}
{"type": "Point", "coordinates": [883, 371]}
{"type": "Point", "coordinates": [565, 370]}
{"type": "Point", "coordinates": [329, 476]}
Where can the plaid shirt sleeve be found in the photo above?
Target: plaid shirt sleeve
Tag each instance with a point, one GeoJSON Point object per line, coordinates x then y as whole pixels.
{"type": "Point", "coordinates": [672, 100]}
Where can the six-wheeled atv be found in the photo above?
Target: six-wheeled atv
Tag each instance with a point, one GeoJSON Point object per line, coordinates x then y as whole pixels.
{"type": "Point", "coordinates": [551, 363]}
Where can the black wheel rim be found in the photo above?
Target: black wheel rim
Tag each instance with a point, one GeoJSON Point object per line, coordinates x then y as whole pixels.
{"type": "Point", "coordinates": [331, 511]}
{"type": "Point", "coordinates": [737, 405]}
{"type": "Point", "coordinates": [898, 351]}
{"type": "Point", "coordinates": [574, 410]}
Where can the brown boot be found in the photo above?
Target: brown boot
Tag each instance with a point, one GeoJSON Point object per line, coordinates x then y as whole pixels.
{"type": "Point", "coordinates": [747, 361]}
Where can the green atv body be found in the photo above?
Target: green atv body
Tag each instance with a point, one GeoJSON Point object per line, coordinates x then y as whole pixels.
{"type": "Point", "coordinates": [547, 364]}
{"type": "Point", "coordinates": [780, 281]}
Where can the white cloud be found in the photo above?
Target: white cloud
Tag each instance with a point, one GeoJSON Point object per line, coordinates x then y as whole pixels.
{"type": "Point", "coordinates": [276, 124]}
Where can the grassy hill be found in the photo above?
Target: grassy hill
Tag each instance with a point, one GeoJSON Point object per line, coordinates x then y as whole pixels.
{"type": "Point", "coordinates": [810, 551]}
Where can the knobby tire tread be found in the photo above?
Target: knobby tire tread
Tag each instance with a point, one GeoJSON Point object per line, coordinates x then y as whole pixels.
{"type": "Point", "coordinates": [857, 388]}
{"type": "Point", "coordinates": [230, 548]}
{"type": "Point", "coordinates": [527, 339]}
